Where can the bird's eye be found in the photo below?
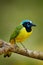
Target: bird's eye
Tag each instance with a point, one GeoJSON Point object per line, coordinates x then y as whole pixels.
{"type": "Point", "coordinates": [28, 22]}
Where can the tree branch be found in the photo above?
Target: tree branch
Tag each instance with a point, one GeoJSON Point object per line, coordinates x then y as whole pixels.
{"type": "Point", "coordinates": [5, 47]}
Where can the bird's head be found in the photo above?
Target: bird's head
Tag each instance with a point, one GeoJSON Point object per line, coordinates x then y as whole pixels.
{"type": "Point", "coordinates": [28, 24]}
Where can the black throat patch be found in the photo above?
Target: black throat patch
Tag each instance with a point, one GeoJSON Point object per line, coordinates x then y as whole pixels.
{"type": "Point", "coordinates": [28, 29]}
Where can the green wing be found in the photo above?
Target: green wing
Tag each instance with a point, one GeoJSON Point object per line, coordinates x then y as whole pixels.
{"type": "Point", "coordinates": [16, 32]}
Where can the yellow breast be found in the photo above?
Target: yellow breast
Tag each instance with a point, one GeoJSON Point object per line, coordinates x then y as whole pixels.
{"type": "Point", "coordinates": [23, 35]}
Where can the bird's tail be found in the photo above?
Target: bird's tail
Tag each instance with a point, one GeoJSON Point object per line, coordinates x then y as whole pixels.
{"type": "Point", "coordinates": [8, 54]}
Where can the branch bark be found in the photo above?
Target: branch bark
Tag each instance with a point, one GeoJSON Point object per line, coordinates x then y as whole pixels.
{"type": "Point", "coordinates": [5, 47]}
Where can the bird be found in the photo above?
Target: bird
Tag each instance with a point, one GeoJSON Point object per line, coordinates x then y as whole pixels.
{"type": "Point", "coordinates": [21, 33]}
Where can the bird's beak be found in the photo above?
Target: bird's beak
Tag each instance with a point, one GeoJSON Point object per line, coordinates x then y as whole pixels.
{"type": "Point", "coordinates": [33, 24]}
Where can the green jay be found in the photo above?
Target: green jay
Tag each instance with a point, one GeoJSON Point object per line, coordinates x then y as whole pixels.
{"type": "Point", "coordinates": [21, 33]}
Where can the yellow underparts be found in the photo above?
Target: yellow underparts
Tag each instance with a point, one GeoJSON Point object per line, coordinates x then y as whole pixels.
{"type": "Point", "coordinates": [22, 35]}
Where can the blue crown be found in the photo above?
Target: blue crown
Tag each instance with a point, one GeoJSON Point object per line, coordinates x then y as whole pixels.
{"type": "Point", "coordinates": [26, 21]}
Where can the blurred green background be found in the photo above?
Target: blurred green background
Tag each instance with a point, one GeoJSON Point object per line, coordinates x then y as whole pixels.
{"type": "Point", "coordinates": [12, 12]}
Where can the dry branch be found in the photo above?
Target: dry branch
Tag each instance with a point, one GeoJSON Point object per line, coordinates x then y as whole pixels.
{"type": "Point", "coordinates": [5, 47]}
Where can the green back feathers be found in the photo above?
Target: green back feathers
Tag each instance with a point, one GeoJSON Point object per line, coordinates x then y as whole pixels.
{"type": "Point", "coordinates": [16, 32]}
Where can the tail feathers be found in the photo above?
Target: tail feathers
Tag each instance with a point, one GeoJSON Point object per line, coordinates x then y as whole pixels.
{"type": "Point", "coordinates": [7, 55]}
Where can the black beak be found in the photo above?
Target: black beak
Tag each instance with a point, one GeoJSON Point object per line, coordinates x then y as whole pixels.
{"type": "Point", "coordinates": [33, 24]}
